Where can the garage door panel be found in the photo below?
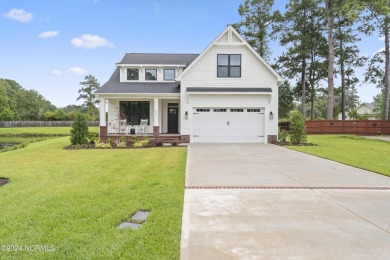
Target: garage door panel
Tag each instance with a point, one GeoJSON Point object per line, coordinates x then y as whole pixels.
{"type": "Point", "coordinates": [228, 127]}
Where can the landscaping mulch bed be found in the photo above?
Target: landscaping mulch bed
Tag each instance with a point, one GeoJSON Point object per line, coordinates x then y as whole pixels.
{"type": "Point", "coordinates": [294, 144]}
{"type": "Point", "coordinates": [3, 181]}
{"type": "Point", "coordinates": [88, 146]}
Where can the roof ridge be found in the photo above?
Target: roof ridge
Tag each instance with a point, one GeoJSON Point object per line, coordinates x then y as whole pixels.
{"type": "Point", "coordinates": [165, 53]}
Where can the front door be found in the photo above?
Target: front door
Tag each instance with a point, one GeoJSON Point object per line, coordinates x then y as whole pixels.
{"type": "Point", "coordinates": [173, 120]}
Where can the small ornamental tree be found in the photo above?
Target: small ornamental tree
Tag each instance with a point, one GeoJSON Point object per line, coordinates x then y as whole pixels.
{"type": "Point", "coordinates": [79, 131]}
{"type": "Point", "coordinates": [297, 128]}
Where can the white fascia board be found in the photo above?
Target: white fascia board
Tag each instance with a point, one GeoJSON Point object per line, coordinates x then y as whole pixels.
{"type": "Point", "coordinates": [229, 44]}
{"type": "Point", "coordinates": [229, 93]}
{"type": "Point", "coordinates": [140, 95]}
{"type": "Point", "coordinates": [151, 65]}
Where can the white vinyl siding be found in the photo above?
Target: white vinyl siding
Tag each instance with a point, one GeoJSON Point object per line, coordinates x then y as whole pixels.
{"type": "Point", "coordinates": [254, 74]}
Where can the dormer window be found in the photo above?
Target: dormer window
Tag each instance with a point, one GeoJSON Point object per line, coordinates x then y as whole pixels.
{"type": "Point", "coordinates": [169, 74]}
{"type": "Point", "coordinates": [229, 66]}
{"type": "Point", "coordinates": [132, 74]}
{"type": "Point", "coordinates": [151, 74]}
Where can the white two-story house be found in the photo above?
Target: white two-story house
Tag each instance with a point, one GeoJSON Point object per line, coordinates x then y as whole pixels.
{"type": "Point", "coordinates": [228, 94]}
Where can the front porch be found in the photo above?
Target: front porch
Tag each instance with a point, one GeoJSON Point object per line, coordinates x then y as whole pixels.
{"type": "Point", "coordinates": [122, 117]}
{"type": "Point", "coordinates": [164, 138]}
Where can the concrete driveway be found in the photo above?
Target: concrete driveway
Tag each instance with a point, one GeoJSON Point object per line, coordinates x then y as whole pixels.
{"type": "Point", "coordinates": [250, 201]}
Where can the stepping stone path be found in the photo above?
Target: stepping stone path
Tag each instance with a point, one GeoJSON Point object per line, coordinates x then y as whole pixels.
{"type": "Point", "coordinates": [129, 225]}
{"type": "Point", "coordinates": [139, 216]}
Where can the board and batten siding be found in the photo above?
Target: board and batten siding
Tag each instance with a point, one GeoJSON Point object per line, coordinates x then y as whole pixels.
{"type": "Point", "coordinates": [254, 74]}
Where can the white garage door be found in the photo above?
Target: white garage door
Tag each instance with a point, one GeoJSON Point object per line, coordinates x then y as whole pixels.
{"type": "Point", "coordinates": [228, 125]}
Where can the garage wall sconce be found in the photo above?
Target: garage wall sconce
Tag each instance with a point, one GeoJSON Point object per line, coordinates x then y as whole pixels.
{"type": "Point", "coordinates": [186, 115]}
{"type": "Point", "coordinates": [271, 115]}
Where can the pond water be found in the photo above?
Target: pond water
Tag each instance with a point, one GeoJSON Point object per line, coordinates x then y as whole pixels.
{"type": "Point", "coordinates": [4, 145]}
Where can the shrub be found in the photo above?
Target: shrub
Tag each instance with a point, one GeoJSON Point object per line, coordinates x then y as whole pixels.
{"type": "Point", "coordinates": [297, 128]}
{"type": "Point", "coordinates": [158, 143]}
{"type": "Point", "coordinates": [93, 137]}
{"type": "Point", "coordinates": [283, 134]}
{"type": "Point", "coordinates": [102, 145]}
{"type": "Point", "coordinates": [121, 142]}
{"type": "Point", "coordinates": [122, 139]}
{"type": "Point", "coordinates": [174, 143]}
{"type": "Point", "coordinates": [79, 131]}
{"type": "Point", "coordinates": [109, 140]}
{"type": "Point", "coordinates": [145, 141]}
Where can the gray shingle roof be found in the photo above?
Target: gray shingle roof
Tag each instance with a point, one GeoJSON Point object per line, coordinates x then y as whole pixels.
{"type": "Point", "coordinates": [158, 58]}
{"type": "Point", "coordinates": [113, 86]}
{"type": "Point", "coordinates": [192, 89]}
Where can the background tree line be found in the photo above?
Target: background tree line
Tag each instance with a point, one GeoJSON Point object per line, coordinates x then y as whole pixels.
{"type": "Point", "coordinates": [17, 103]}
{"type": "Point", "coordinates": [320, 43]}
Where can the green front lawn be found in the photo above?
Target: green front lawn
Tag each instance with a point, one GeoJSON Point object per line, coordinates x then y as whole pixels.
{"type": "Point", "coordinates": [73, 200]}
{"type": "Point", "coordinates": [60, 130]}
{"type": "Point", "coordinates": [372, 155]}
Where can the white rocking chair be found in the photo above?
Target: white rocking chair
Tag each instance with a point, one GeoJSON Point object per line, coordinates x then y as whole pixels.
{"type": "Point", "coordinates": [142, 127]}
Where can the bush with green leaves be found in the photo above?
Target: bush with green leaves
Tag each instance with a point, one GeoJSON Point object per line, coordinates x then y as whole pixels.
{"type": "Point", "coordinates": [102, 145]}
{"type": "Point", "coordinates": [297, 128]}
{"type": "Point", "coordinates": [93, 137]}
{"type": "Point", "coordinates": [283, 134]}
{"type": "Point", "coordinates": [121, 142]}
{"type": "Point", "coordinates": [79, 131]}
{"type": "Point", "coordinates": [140, 143]}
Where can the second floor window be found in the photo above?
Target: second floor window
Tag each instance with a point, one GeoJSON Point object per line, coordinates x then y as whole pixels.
{"type": "Point", "coordinates": [132, 74]}
{"type": "Point", "coordinates": [169, 74]}
{"type": "Point", "coordinates": [229, 65]}
{"type": "Point", "coordinates": [150, 74]}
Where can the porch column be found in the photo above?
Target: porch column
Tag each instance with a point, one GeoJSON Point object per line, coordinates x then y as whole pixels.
{"type": "Point", "coordinates": [156, 112]}
{"type": "Point", "coordinates": [102, 112]}
{"type": "Point", "coordinates": [156, 126]}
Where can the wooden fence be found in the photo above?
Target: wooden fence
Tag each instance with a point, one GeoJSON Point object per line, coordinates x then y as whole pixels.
{"type": "Point", "coordinates": [41, 123]}
{"type": "Point", "coordinates": [358, 127]}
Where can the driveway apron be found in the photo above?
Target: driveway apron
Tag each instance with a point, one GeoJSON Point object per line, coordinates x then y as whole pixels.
{"type": "Point", "coordinates": [261, 201]}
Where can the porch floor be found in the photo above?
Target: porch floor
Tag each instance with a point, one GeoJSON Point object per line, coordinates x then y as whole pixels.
{"type": "Point", "coordinates": [148, 135]}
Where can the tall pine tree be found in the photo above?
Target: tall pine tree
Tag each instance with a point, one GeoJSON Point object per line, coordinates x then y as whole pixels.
{"type": "Point", "coordinates": [299, 29]}
{"type": "Point", "coordinates": [90, 85]}
{"type": "Point", "coordinates": [256, 21]}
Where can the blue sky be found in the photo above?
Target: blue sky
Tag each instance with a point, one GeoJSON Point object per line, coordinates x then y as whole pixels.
{"type": "Point", "coordinates": [50, 46]}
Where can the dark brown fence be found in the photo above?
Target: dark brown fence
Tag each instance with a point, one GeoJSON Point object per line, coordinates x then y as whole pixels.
{"type": "Point", "coordinates": [41, 123]}
{"type": "Point", "coordinates": [358, 127]}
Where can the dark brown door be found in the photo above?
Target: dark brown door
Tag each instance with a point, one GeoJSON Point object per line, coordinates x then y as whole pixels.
{"type": "Point", "coordinates": [173, 120]}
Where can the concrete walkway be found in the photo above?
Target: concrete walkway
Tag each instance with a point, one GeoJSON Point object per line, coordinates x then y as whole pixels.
{"type": "Point", "coordinates": [248, 201]}
{"type": "Point", "coordinates": [378, 137]}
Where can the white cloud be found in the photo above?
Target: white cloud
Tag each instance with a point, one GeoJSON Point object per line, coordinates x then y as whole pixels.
{"type": "Point", "coordinates": [77, 70]}
{"type": "Point", "coordinates": [56, 72]}
{"type": "Point", "coordinates": [19, 15]}
{"type": "Point", "coordinates": [90, 41]}
{"type": "Point", "coordinates": [48, 34]}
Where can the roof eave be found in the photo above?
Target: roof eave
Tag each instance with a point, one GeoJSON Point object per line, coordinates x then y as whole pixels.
{"type": "Point", "coordinates": [150, 65]}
